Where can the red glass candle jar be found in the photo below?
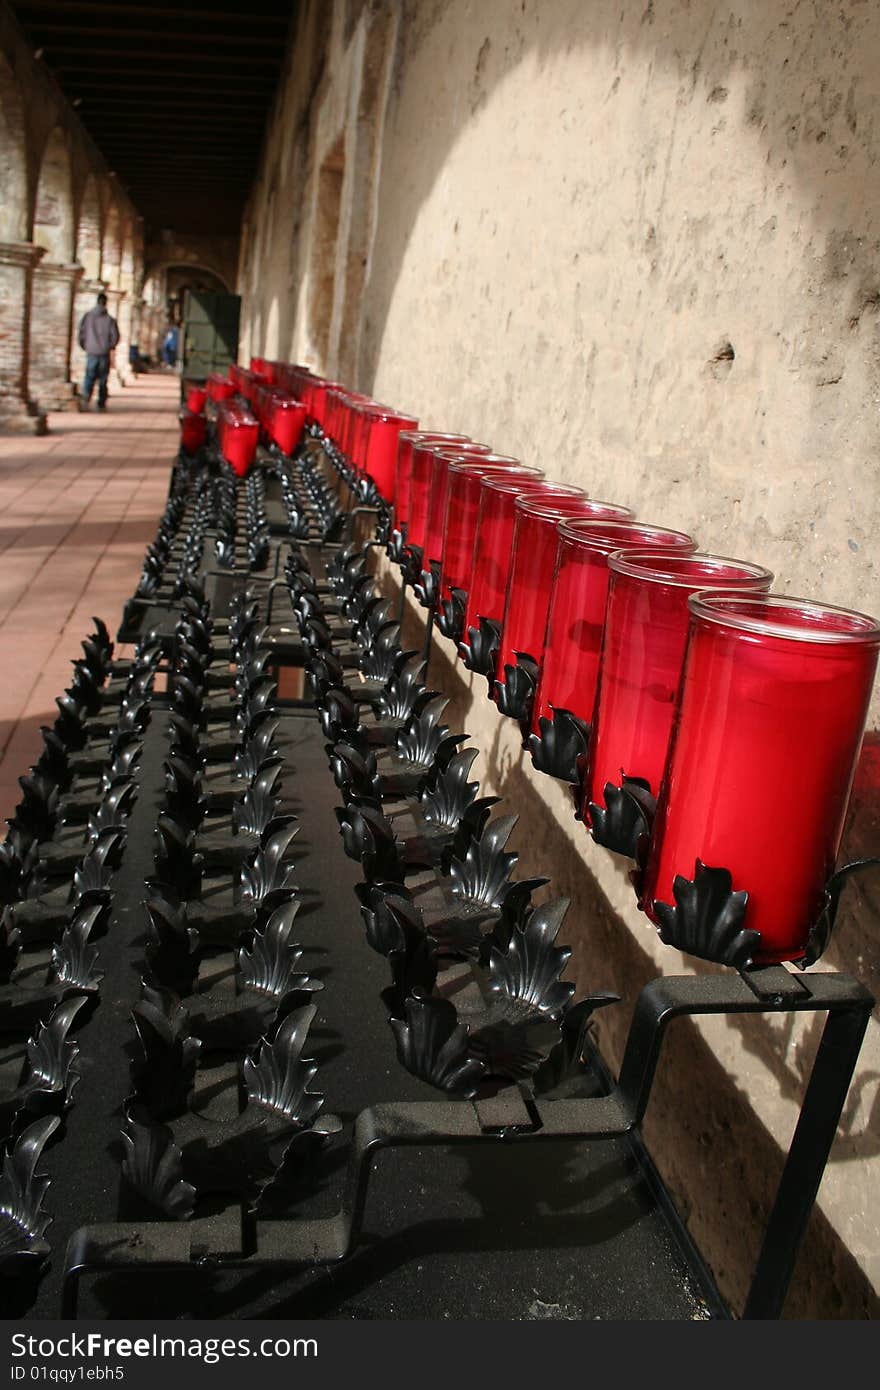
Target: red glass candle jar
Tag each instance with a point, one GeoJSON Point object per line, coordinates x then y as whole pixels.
{"type": "Point", "coordinates": [286, 421]}
{"type": "Point", "coordinates": [319, 391]}
{"type": "Point", "coordinates": [195, 399]}
{"type": "Point", "coordinates": [192, 431]}
{"type": "Point", "coordinates": [462, 506]}
{"type": "Point", "coordinates": [421, 482]}
{"type": "Point", "coordinates": [768, 724]}
{"type": "Point", "coordinates": [218, 388]}
{"type": "Point", "coordinates": [403, 471]}
{"type": "Point", "coordinates": [442, 456]}
{"type": "Point", "coordinates": [646, 627]}
{"type": "Point", "coordinates": [493, 542]}
{"type": "Point", "coordinates": [380, 453]}
{"type": "Point", "coordinates": [535, 541]}
{"type": "Point", "coordinates": [575, 618]}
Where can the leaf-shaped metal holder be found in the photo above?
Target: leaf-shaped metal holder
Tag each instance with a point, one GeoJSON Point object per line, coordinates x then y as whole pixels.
{"type": "Point", "coordinates": [340, 718]}
{"type": "Point", "coordinates": [433, 1045]}
{"type": "Point", "coordinates": [820, 933]}
{"type": "Point", "coordinates": [278, 1078]}
{"type": "Point", "coordinates": [164, 1073]}
{"type": "Point", "coordinates": [37, 812]}
{"type": "Point", "coordinates": [481, 879]}
{"type": "Point", "coordinates": [173, 947]}
{"type": "Point", "coordinates": [53, 762]}
{"type": "Point", "coordinates": [114, 809]}
{"type": "Point", "coordinates": [563, 740]}
{"type": "Point", "coordinates": [626, 818]}
{"type": "Point", "coordinates": [269, 967]}
{"type": "Point", "coordinates": [450, 615]}
{"type": "Point", "coordinates": [566, 1058]}
{"type": "Point", "coordinates": [427, 587]}
{"type": "Point", "coordinates": [447, 794]}
{"type": "Point", "coordinates": [395, 545]}
{"type": "Point", "coordinates": [515, 695]}
{"type": "Point", "coordinates": [95, 869]}
{"type": "Point", "coordinates": [153, 1165]}
{"type": "Point", "coordinates": [355, 772]}
{"type": "Point", "coordinates": [176, 859]}
{"type": "Point", "coordinates": [259, 804]}
{"type": "Point", "coordinates": [479, 650]}
{"type": "Point", "coordinates": [527, 972]}
{"type": "Point", "coordinates": [74, 958]}
{"type": "Point", "coordinates": [267, 871]}
{"type": "Point", "coordinates": [23, 1223]}
{"type": "Point", "coordinates": [405, 689]}
{"type": "Point", "coordinates": [419, 742]}
{"type": "Point", "coordinates": [378, 661]}
{"type": "Point", "coordinates": [49, 1074]}
{"type": "Point", "coordinates": [368, 838]}
{"type": "Point", "coordinates": [411, 564]}
{"type": "Point", "coordinates": [708, 919]}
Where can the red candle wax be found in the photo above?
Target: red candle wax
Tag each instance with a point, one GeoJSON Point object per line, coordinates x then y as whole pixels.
{"type": "Point", "coordinates": [768, 724]}
{"type": "Point", "coordinates": [646, 627]}
{"type": "Point", "coordinates": [462, 505]}
{"type": "Point", "coordinates": [492, 545]}
{"type": "Point", "coordinates": [533, 558]}
{"type": "Point", "coordinates": [573, 639]}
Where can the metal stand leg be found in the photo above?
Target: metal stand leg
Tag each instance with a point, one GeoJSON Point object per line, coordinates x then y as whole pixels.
{"type": "Point", "coordinates": [813, 1136]}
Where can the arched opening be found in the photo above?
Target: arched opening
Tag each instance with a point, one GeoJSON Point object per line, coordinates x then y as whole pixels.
{"type": "Point", "coordinates": [54, 222]}
{"type": "Point", "coordinates": [88, 236]}
{"type": "Point", "coordinates": [180, 278]}
{"type": "Point", "coordinates": [13, 164]}
{"type": "Point", "coordinates": [165, 288]}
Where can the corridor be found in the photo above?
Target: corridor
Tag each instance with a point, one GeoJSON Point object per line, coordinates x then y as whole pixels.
{"type": "Point", "coordinates": [79, 506]}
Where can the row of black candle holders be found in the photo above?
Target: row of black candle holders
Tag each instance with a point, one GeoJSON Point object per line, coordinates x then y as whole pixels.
{"type": "Point", "coordinates": [224, 1010]}
{"type": "Point", "coordinates": [64, 842]}
{"type": "Point", "coordinates": [438, 880]}
{"type": "Point", "coordinates": [221, 1117]}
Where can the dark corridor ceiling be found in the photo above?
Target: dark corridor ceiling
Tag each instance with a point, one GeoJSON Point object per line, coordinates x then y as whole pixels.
{"type": "Point", "coordinates": [174, 96]}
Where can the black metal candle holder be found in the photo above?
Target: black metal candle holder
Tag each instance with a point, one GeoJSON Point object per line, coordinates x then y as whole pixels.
{"type": "Point", "coordinates": [439, 900]}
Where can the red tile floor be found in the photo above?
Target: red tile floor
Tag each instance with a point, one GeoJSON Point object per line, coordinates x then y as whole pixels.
{"type": "Point", "coordinates": [77, 510]}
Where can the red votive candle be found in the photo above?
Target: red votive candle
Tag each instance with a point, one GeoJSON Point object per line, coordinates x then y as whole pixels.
{"type": "Point", "coordinates": [535, 541]}
{"type": "Point", "coordinates": [768, 724]}
{"type": "Point", "coordinates": [462, 506]}
{"type": "Point", "coordinates": [646, 627]}
{"type": "Point", "coordinates": [421, 482]}
{"type": "Point", "coordinates": [380, 456]}
{"type": "Point", "coordinates": [573, 639]}
{"type": "Point", "coordinates": [441, 457]}
{"type": "Point", "coordinates": [403, 472]}
{"type": "Point", "coordinates": [492, 544]}
{"type": "Point", "coordinates": [287, 418]}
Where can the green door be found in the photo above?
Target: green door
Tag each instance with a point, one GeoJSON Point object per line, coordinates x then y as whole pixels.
{"type": "Point", "coordinates": [210, 333]}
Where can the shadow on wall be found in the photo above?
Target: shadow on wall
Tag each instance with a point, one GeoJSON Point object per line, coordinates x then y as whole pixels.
{"type": "Point", "coordinates": [696, 43]}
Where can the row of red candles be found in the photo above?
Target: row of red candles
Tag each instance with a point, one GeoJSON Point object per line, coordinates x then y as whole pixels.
{"type": "Point", "coordinates": [745, 709]}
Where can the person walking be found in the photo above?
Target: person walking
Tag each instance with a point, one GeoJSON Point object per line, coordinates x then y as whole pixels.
{"type": "Point", "coordinates": [98, 336]}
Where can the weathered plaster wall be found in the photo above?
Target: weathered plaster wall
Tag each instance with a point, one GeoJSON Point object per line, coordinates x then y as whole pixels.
{"type": "Point", "coordinates": [638, 243]}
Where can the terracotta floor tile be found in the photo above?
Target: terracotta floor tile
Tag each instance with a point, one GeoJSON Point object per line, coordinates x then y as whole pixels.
{"type": "Point", "coordinates": [77, 510]}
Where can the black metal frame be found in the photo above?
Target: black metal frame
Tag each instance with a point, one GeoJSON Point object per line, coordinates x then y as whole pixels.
{"type": "Point", "coordinates": [517, 1117]}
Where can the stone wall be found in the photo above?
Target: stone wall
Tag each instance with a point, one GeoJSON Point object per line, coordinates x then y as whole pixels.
{"type": "Point", "coordinates": [639, 244]}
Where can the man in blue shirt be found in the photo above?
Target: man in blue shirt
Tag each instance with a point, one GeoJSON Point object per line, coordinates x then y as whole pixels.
{"type": "Point", "coordinates": [98, 336]}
